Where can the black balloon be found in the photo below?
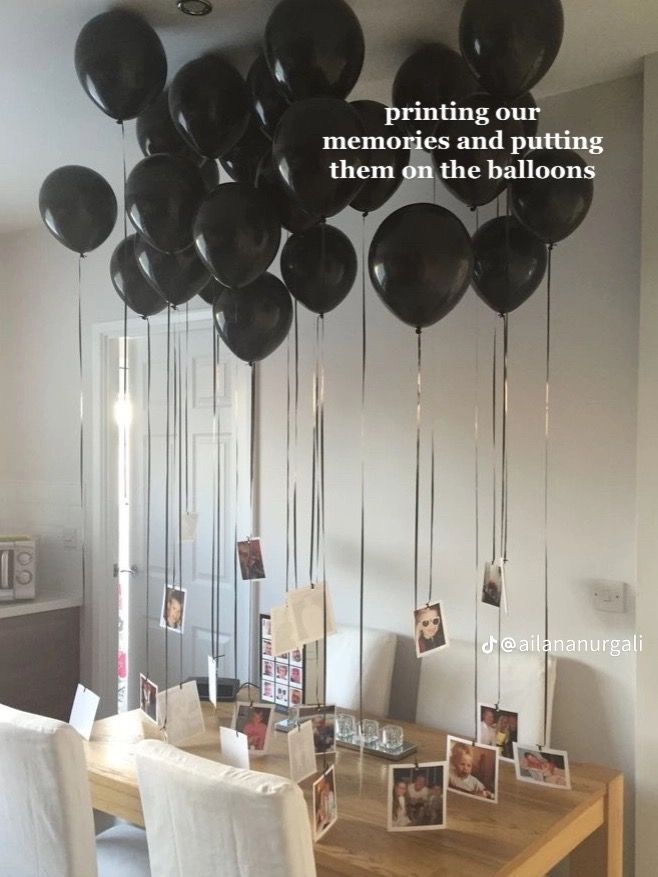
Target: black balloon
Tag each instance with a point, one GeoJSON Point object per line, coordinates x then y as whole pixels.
{"type": "Point", "coordinates": [314, 49]}
{"type": "Point", "coordinates": [163, 194]}
{"type": "Point", "coordinates": [78, 207]}
{"type": "Point", "coordinates": [130, 283]}
{"type": "Point", "coordinates": [377, 191]}
{"type": "Point", "coordinates": [267, 101]}
{"type": "Point", "coordinates": [421, 262]}
{"type": "Point", "coordinates": [482, 189]}
{"type": "Point", "coordinates": [254, 320]}
{"type": "Point", "coordinates": [510, 263]}
{"type": "Point", "coordinates": [319, 266]}
{"type": "Point", "coordinates": [525, 102]}
{"type": "Point", "coordinates": [305, 166]}
{"type": "Point", "coordinates": [237, 233]}
{"type": "Point", "coordinates": [120, 63]}
{"type": "Point", "coordinates": [177, 277]}
{"type": "Point", "coordinates": [433, 75]}
{"type": "Point", "coordinates": [291, 214]}
{"type": "Point", "coordinates": [209, 105]}
{"type": "Point", "coordinates": [510, 44]}
{"type": "Point", "coordinates": [211, 290]}
{"type": "Point", "coordinates": [242, 161]}
{"type": "Point", "coordinates": [552, 208]}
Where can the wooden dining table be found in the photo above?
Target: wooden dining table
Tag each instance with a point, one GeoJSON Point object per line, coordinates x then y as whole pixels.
{"type": "Point", "coordinates": [531, 829]}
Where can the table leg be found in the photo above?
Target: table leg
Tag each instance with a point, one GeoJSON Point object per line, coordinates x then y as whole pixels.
{"type": "Point", "coordinates": [601, 854]}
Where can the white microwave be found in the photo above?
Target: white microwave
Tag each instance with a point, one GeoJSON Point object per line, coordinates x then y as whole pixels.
{"type": "Point", "coordinates": [18, 560]}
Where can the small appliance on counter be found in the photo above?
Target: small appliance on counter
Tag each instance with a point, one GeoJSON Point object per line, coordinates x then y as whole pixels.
{"type": "Point", "coordinates": [17, 568]}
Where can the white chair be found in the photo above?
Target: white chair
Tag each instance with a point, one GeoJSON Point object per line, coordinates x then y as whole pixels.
{"type": "Point", "coordinates": [204, 818]}
{"type": "Point", "coordinates": [446, 689]}
{"type": "Point", "coordinates": [343, 669]}
{"type": "Point", "coordinates": [46, 818]}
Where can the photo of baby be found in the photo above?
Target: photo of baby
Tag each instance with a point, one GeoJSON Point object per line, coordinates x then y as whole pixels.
{"type": "Point", "coordinates": [430, 632]}
{"type": "Point", "coordinates": [172, 616]}
{"type": "Point", "coordinates": [255, 722]}
{"type": "Point", "coordinates": [324, 726]}
{"type": "Point", "coordinates": [250, 558]}
{"type": "Point", "coordinates": [417, 796]}
{"type": "Point", "coordinates": [500, 728]}
{"type": "Point", "coordinates": [325, 807]}
{"type": "Point", "coordinates": [492, 585]}
{"type": "Point", "coordinates": [473, 769]}
{"type": "Point", "coordinates": [544, 767]}
{"type": "Point", "coordinates": [148, 697]}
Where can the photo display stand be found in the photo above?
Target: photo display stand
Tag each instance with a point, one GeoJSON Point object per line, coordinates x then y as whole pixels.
{"type": "Point", "coordinates": [284, 679]}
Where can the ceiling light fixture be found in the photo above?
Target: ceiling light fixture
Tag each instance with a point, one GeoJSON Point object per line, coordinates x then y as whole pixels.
{"type": "Point", "coordinates": [195, 7]}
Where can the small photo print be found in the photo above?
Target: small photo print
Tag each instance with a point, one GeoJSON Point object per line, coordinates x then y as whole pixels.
{"type": "Point", "coordinates": [268, 668]}
{"type": "Point", "coordinates": [473, 769]}
{"type": "Point", "coordinates": [492, 584]}
{"type": "Point", "coordinates": [267, 647]}
{"type": "Point", "coordinates": [250, 558]}
{"type": "Point", "coordinates": [417, 796]}
{"type": "Point", "coordinates": [543, 767]}
{"type": "Point", "coordinates": [172, 616]}
{"type": "Point", "coordinates": [255, 722]}
{"type": "Point", "coordinates": [499, 728]}
{"type": "Point", "coordinates": [281, 695]}
{"type": "Point", "coordinates": [296, 676]}
{"type": "Point", "coordinates": [325, 808]}
{"type": "Point", "coordinates": [295, 697]}
{"type": "Point", "coordinates": [281, 672]}
{"type": "Point", "coordinates": [266, 627]}
{"type": "Point", "coordinates": [148, 697]}
{"type": "Point", "coordinates": [430, 631]}
{"type": "Point", "coordinates": [267, 691]}
{"type": "Point", "coordinates": [296, 657]}
{"type": "Point", "coordinates": [324, 726]}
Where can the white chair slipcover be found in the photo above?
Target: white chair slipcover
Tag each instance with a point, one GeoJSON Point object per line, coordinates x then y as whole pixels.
{"type": "Point", "coordinates": [204, 818]}
{"type": "Point", "coordinates": [446, 689]}
{"type": "Point", "coordinates": [46, 819]}
{"type": "Point", "coordinates": [343, 669]}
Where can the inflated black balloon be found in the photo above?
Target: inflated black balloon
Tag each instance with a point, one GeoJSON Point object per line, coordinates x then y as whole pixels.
{"type": "Point", "coordinates": [163, 194]}
{"type": "Point", "coordinates": [130, 283]}
{"type": "Point", "coordinates": [242, 161]}
{"type": "Point", "coordinates": [177, 277]}
{"type": "Point", "coordinates": [266, 100]}
{"type": "Point", "coordinates": [314, 49]}
{"type": "Point", "coordinates": [319, 266]}
{"type": "Point", "coordinates": [433, 75]}
{"type": "Point", "coordinates": [237, 233]}
{"type": "Point", "coordinates": [254, 320]}
{"type": "Point", "coordinates": [510, 44]}
{"type": "Point", "coordinates": [483, 189]}
{"type": "Point", "coordinates": [209, 105]}
{"type": "Point", "coordinates": [510, 263]}
{"type": "Point", "coordinates": [305, 166]}
{"type": "Point", "coordinates": [211, 290]}
{"type": "Point", "coordinates": [292, 215]}
{"type": "Point", "coordinates": [421, 262]}
{"type": "Point", "coordinates": [553, 208]}
{"type": "Point", "coordinates": [376, 192]}
{"type": "Point", "coordinates": [78, 207]}
{"type": "Point", "coordinates": [120, 63]}
{"type": "Point", "coordinates": [526, 101]}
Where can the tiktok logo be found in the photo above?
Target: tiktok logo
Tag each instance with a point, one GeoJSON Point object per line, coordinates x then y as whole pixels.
{"type": "Point", "coordinates": [488, 647]}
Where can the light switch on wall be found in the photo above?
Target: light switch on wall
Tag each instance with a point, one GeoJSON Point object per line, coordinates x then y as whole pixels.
{"type": "Point", "coordinates": [609, 596]}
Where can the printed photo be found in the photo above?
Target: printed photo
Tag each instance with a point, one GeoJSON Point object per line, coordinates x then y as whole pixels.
{"type": "Point", "coordinates": [250, 559]}
{"type": "Point", "coordinates": [172, 616]}
{"type": "Point", "coordinates": [473, 769]}
{"type": "Point", "coordinates": [296, 657]}
{"type": "Point", "coordinates": [281, 672]}
{"type": "Point", "coordinates": [267, 691]}
{"type": "Point", "coordinates": [295, 697]}
{"type": "Point", "coordinates": [324, 726]}
{"type": "Point", "coordinates": [544, 767]}
{"type": "Point", "coordinates": [492, 586]}
{"type": "Point", "coordinates": [417, 796]}
{"type": "Point", "coordinates": [500, 728]}
{"type": "Point", "coordinates": [255, 722]}
{"type": "Point", "coordinates": [430, 631]}
{"type": "Point", "coordinates": [148, 697]}
{"type": "Point", "coordinates": [267, 647]}
{"type": "Point", "coordinates": [268, 669]}
{"type": "Point", "coordinates": [266, 627]}
{"type": "Point", "coordinates": [325, 808]}
{"type": "Point", "coordinates": [281, 695]}
{"type": "Point", "coordinates": [296, 676]}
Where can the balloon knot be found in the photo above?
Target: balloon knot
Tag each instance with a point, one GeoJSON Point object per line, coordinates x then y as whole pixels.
{"type": "Point", "coordinates": [473, 208]}
{"type": "Point", "coordinates": [418, 330]}
{"type": "Point", "coordinates": [365, 214]}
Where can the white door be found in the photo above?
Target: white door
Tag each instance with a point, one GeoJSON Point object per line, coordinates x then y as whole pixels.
{"type": "Point", "coordinates": [191, 482]}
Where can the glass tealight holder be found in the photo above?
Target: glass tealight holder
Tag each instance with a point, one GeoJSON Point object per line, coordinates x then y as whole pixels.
{"type": "Point", "coordinates": [392, 738]}
{"type": "Point", "coordinates": [345, 726]}
{"type": "Point", "coordinates": [368, 731]}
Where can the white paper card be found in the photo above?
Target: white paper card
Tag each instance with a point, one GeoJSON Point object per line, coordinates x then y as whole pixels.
{"type": "Point", "coordinates": [83, 713]}
{"type": "Point", "coordinates": [301, 752]}
{"type": "Point", "coordinates": [307, 608]}
{"type": "Point", "coordinates": [179, 713]}
{"type": "Point", "coordinates": [284, 634]}
{"type": "Point", "coordinates": [212, 680]}
{"type": "Point", "coordinates": [188, 526]}
{"type": "Point", "coordinates": [235, 748]}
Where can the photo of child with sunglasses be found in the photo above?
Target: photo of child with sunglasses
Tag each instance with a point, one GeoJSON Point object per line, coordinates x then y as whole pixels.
{"type": "Point", "coordinates": [431, 633]}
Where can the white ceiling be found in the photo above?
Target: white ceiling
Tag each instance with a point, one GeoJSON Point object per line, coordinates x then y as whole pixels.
{"type": "Point", "coordinates": [47, 120]}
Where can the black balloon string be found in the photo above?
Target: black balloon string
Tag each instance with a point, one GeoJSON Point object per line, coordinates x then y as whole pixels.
{"type": "Point", "coordinates": [546, 474]}
{"type": "Point", "coordinates": [362, 545]}
{"type": "Point", "coordinates": [418, 422]}
{"type": "Point", "coordinates": [187, 407]}
{"type": "Point", "coordinates": [148, 491]}
{"type": "Point", "coordinates": [476, 509]}
{"type": "Point", "coordinates": [213, 549]}
{"type": "Point", "coordinates": [252, 464]}
{"type": "Point", "coordinates": [296, 448]}
{"type": "Point", "coordinates": [83, 527]}
{"type": "Point", "coordinates": [505, 442]}
{"type": "Point", "coordinates": [432, 480]}
{"type": "Point", "coordinates": [494, 396]}
{"type": "Point", "coordinates": [288, 413]}
{"type": "Point", "coordinates": [218, 504]}
{"type": "Point", "coordinates": [181, 437]}
{"type": "Point", "coordinates": [235, 539]}
{"type": "Point", "coordinates": [166, 516]}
